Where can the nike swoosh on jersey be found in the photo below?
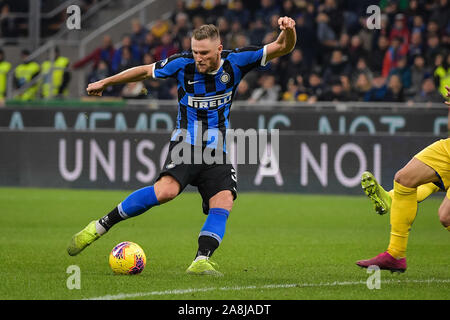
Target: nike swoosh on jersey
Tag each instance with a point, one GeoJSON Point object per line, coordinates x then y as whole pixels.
{"type": "Point", "coordinates": [192, 82]}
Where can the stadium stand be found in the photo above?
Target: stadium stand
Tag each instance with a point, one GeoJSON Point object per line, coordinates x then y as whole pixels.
{"type": "Point", "coordinates": [337, 57]}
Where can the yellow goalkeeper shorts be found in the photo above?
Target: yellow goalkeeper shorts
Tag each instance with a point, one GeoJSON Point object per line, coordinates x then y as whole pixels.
{"type": "Point", "coordinates": [437, 156]}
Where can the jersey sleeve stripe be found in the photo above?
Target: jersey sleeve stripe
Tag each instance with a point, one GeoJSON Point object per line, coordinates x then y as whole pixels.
{"type": "Point", "coordinates": [264, 57]}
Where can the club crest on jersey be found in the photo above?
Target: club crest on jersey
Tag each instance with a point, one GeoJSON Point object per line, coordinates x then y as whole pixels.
{"type": "Point", "coordinates": [225, 77]}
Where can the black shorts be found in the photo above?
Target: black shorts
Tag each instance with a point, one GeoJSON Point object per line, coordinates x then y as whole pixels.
{"type": "Point", "coordinates": [208, 178]}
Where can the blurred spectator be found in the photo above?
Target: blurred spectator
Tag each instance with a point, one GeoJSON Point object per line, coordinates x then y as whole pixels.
{"type": "Point", "coordinates": [181, 28]}
{"type": "Point", "coordinates": [216, 10]}
{"type": "Point", "coordinates": [197, 21]}
{"type": "Point", "coordinates": [241, 41]}
{"type": "Point", "coordinates": [418, 72]}
{"type": "Point", "coordinates": [243, 91]}
{"type": "Point", "coordinates": [415, 8]}
{"type": "Point", "coordinates": [120, 59]}
{"type": "Point", "coordinates": [150, 43]}
{"type": "Point", "coordinates": [239, 13]}
{"type": "Point", "coordinates": [442, 75]}
{"type": "Point", "coordinates": [159, 28]}
{"type": "Point", "coordinates": [416, 46]}
{"type": "Point", "coordinates": [325, 34]}
{"type": "Point", "coordinates": [362, 87]}
{"type": "Point", "coordinates": [432, 27]}
{"type": "Point", "coordinates": [335, 16]}
{"type": "Point", "coordinates": [366, 35]}
{"type": "Point", "coordinates": [400, 29]}
{"type": "Point", "coordinates": [394, 91]}
{"type": "Point", "coordinates": [5, 68]}
{"type": "Point", "coordinates": [428, 92]}
{"type": "Point", "coordinates": [344, 43]}
{"type": "Point", "coordinates": [315, 86]}
{"type": "Point", "coordinates": [378, 90]}
{"type": "Point", "coordinates": [433, 48]}
{"type": "Point", "coordinates": [234, 34]}
{"type": "Point", "coordinates": [180, 7]}
{"type": "Point", "coordinates": [133, 90]}
{"type": "Point", "coordinates": [25, 73]}
{"type": "Point", "coordinates": [403, 71]}
{"type": "Point", "coordinates": [338, 66]}
{"type": "Point", "coordinates": [347, 89]}
{"type": "Point", "coordinates": [165, 49]}
{"type": "Point", "coordinates": [101, 71]}
{"type": "Point", "coordinates": [289, 9]}
{"type": "Point", "coordinates": [441, 13]}
{"type": "Point", "coordinates": [185, 45]}
{"type": "Point", "coordinates": [418, 25]}
{"type": "Point", "coordinates": [356, 50]}
{"type": "Point", "coordinates": [335, 92]}
{"type": "Point", "coordinates": [267, 9]}
{"type": "Point", "coordinates": [295, 90]}
{"type": "Point", "coordinates": [139, 32]}
{"type": "Point", "coordinates": [7, 23]}
{"type": "Point", "coordinates": [361, 67]}
{"type": "Point", "coordinates": [396, 50]}
{"type": "Point", "coordinates": [268, 92]}
{"type": "Point", "coordinates": [56, 76]}
{"type": "Point", "coordinates": [195, 8]}
{"type": "Point", "coordinates": [105, 52]}
{"type": "Point", "coordinates": [377, 55]}
{"type": "Point", "coordinates": [308, 41]}
{"type": "Point", "coordinates": [224, 28]}
{"type": "Point", "coordinates": [126, 60]}
{"type": "Point", "coordinates": [257, 31]}
{"type": "Point", "coordinates": [293, 67]}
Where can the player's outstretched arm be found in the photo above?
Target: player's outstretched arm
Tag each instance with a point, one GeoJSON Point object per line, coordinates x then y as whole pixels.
{"type": "Point", "coordinates": [130, 75]}
{"type": "Point", "coordinates": [286, 40]}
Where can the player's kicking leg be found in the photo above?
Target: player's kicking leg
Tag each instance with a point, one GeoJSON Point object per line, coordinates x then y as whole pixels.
{"type": "Point", "coordinates": [382, 199]}
{"type": "Point", "coordinates": [135, 204]}
{"type": "Point", "coordinates": [403, 212]}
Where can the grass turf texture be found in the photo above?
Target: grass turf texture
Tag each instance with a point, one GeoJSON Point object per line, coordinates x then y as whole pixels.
{"type": "Point", "coordinates": [308, 242]}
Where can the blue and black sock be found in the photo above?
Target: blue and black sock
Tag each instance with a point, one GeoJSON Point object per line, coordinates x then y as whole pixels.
{"type": "Point", "coordinates": [135, 204]}
{"type": "Point", "coordinates": [212, 232]}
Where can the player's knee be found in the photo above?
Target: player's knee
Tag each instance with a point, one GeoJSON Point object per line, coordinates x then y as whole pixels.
{"type": "Point", "coordinates": [166, 189]}
{"type": "Point", "coordinates": [223, 199]}
{"type": "Point", "coordinates": [404, 178]}
{"type": "Point", "coordinates": [444, 215]}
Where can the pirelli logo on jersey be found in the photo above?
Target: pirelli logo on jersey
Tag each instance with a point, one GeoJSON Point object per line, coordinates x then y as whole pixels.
{"type": "Point", "coordinates": [210, 102]}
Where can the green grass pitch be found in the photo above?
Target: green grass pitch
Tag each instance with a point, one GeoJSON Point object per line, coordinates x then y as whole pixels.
{"type": "Point", "coordinates": [277, 246]}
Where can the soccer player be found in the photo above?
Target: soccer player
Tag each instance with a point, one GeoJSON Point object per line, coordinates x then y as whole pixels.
{"type": "Point", "coordinates": [207, 80]}
{"type": "Point", "coordinates": [427, 172]}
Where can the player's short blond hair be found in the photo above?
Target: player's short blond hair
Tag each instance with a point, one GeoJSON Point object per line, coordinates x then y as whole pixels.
{"type": "Point", "coordinates": [206, 31]}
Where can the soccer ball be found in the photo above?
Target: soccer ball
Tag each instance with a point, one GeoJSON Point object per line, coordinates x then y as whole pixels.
{"type": "Point", "coordinates": [127, 258]}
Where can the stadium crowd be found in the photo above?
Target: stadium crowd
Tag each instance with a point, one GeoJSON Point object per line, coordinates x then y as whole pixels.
{"type": "Point", "coordinates": [337, 57]}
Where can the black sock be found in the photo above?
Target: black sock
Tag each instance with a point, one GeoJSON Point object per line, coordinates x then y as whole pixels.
{"type": "Point", "coordinates": [110, 219]}
{"type": "Point", "coordinates": [206, 246]}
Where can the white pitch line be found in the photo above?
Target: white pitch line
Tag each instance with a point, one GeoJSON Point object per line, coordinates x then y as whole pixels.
{"type": "Point", "coordinates": [268, 286]}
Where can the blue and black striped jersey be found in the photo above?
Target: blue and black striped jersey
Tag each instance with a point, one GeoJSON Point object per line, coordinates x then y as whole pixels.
{"type": "Point", "coordinates": [205, 99]}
